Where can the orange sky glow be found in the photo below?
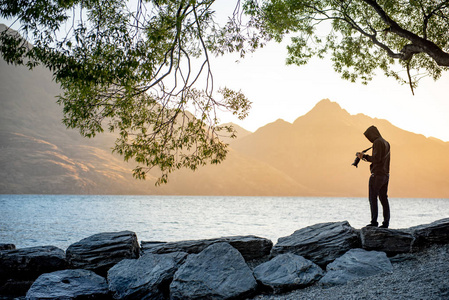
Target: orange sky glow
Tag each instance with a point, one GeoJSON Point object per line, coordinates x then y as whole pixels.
{"type": "Point", "coordinates": [288, 92]}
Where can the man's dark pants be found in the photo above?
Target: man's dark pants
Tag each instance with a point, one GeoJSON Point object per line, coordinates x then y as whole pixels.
{"type": "Point", "coordinates": [378, 187]}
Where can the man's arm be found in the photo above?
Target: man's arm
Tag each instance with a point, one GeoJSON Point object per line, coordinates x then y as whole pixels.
{"type": "Point", "coordinates": [377, 153]}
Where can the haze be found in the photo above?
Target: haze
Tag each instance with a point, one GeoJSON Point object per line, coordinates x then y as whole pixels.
{"type": "Point", "coordinates": [309, 157]}
{"type": "Point", "coordinates": [286, 92]}
{"type": "Point", "coordinates": [297, 144]}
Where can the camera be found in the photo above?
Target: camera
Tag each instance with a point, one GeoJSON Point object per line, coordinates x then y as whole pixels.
{"type": "Point", "coordinates": [356, 161]}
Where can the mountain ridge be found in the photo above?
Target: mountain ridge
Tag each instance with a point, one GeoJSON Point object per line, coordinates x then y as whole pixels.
{"type": "Point", "coordinates": [310, 157]}
{"type": "Point", "coordinates": [340, 136]}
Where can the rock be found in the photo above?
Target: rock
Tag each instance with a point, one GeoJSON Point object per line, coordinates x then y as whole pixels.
{"type": "Point", "coordinates": [320, 243]}
{"type": "Point", "coordinates": [69, 284]}
{"type": "Point", "coordinates": [251, 247]}
{"type": "Point", "coordinates": [286, 272]}
{"type": "Point", "coordinates": [433, 233]}
{"type": "Point", "coordinates": [13, 288]}
{"type": "Point", "coordinates": [218, 272]}
{"type": "Point", "coordinates": [7, 247]}
{"type": "Point", "coordinates": [29, 263]}
{"type": "Point", "coordinates": [402, 257]}
{"type": "Point", "coordinates": [146, 246]}
{"type": "Point", "coordinates": [355, 264]}
{"type": "Point", "coordinates": [20, 267]}
{"type": "Point", "coordinates": [148, 277]}
{"type": "Point", "coordinates": [391, 241]}
{"type": "Point", "coordinates": [101, 251]}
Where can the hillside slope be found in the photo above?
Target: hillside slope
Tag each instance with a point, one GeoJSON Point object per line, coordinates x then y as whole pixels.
{"type": "Point", "coordinates": [39, 155]}
{"type": "Point", "coordinates": [311, 157]}
{"type": "Point", "coordinates": [319, 148]}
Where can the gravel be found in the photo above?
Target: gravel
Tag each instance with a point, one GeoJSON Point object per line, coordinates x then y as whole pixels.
{"type": "Point", "coordinates": [422, 275]}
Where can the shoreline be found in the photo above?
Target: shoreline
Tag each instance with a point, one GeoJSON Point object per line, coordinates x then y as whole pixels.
{"type": "Point", "coordinates": [61, 221]}
{"type": "Point", "coordinates": [373, 263]}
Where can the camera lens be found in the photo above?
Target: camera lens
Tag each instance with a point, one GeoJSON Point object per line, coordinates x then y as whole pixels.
{"type": "Point", "coordinates": [356, 162]}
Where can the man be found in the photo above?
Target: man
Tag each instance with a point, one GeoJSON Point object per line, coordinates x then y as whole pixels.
{"type": "Point", "coordinates": [380, 175]}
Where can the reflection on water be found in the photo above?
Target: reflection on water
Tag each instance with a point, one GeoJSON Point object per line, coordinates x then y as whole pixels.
{"type": "Point", "coordinates": [34, 220]}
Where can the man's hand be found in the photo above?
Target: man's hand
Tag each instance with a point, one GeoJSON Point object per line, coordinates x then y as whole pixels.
{"type": "Point", "coordinates": [360, 155]}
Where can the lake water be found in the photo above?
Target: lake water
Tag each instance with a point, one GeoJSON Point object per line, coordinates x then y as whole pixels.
{"type": "Point", "coordinates": [60, 220]}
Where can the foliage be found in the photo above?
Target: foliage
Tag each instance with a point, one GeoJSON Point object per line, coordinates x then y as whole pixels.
{"type": "Point", "coordinates": [142, 68]}
{"type": "Point", "coordinates": [133, 70]}
{"type": "Point", "coordinates": [362, 35]}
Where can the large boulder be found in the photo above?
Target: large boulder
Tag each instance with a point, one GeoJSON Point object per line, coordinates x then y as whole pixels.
{"type": "Point", "coordinates": [218, 272]}
{"type": "Point", "coordinates": [286, 272]}
{"type": "Point", "coordinates": [101, 251]}
{"type": "Point", "coordinates": [355, 264]}
{"type": "Point", "coordinates": [29, 263]}
{"type": "Point", "coordinates": [20, 267]}
{"type": "Point", "coordinates": [7, 247]}
{"type": "Point", "coordinates": [320, 243]}
{"type": "Point", "coordinates": [433, 233]}
{"type": "Point", "coordinates": [251, 247]}
{"type": "Point", "coordinates": [391, 241]}
{"type": "Point", "coordinates": [69, 284]}
{"type": "Point", "coordinates": [148, 277]}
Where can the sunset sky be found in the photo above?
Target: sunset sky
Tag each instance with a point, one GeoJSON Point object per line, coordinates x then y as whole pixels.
{"type": "Point", "coordinates": [287, 92]}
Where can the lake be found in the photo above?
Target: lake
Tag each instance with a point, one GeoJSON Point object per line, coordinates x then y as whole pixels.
{"type": "Point", "coordinates": [60, 220]}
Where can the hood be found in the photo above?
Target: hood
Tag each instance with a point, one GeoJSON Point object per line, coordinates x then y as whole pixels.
{"type": "Point", "coordinates": [372, 133]}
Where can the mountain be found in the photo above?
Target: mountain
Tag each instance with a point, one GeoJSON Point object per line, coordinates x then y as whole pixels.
{"type": "Point", "coordinates": [39, 155]}
{"type": "Point", "coordinates": [240, 132]}
{"type": "Point", "coordinates": [318, 148]}
{"type": "Point", "coordinates": [309, 157]}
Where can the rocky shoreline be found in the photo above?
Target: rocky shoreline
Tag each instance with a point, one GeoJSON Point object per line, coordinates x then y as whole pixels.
{"type": "Point", "coordinates": [417, 276]}
{"type": "Point", "coordinates": [323, 261]}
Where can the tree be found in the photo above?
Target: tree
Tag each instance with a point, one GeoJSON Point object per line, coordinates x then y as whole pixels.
{"type": "Point", "coordinates": [143, 68]}
{"type": "Point", "coordinates": [133, 68]}
{"type": "Point", "coordinates": [362, 35]}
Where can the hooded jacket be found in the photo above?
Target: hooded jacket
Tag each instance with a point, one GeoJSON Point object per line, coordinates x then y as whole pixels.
{"type": "Point", "coordinates": [380, 160]}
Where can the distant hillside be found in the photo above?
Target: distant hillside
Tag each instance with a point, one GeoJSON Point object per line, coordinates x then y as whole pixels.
{"type": "Point", "coordinates": [311, 157]}
{"type": "Point", "coordinates": [39, 155]}
{"type": "Point", "coordinates": [240, 132]}
{"type": "Point", "coordinates": [318, 148]}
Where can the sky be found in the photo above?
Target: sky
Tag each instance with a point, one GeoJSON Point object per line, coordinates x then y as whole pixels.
{"type": "Point", "coordinates": [278, 91]}
{"type": "Point", "coordinates": [286, 92]}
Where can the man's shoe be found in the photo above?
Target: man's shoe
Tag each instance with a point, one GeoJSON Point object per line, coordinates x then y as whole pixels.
{"type": "Point", "coordinates": [383, 226]}
{"type": "Point", "coordinates": [372, 225]}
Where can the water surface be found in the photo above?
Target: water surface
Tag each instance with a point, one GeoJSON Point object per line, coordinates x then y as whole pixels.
{"type": "Point", "coordinates": [60, 220]}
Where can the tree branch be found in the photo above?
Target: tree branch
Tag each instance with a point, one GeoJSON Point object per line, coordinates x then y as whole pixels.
{"type": "Point", "coordinates": [418, 44]}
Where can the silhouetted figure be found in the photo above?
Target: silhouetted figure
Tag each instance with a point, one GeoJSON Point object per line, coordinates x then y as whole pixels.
{"type": "Point", "coordinates": [380, 175]}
